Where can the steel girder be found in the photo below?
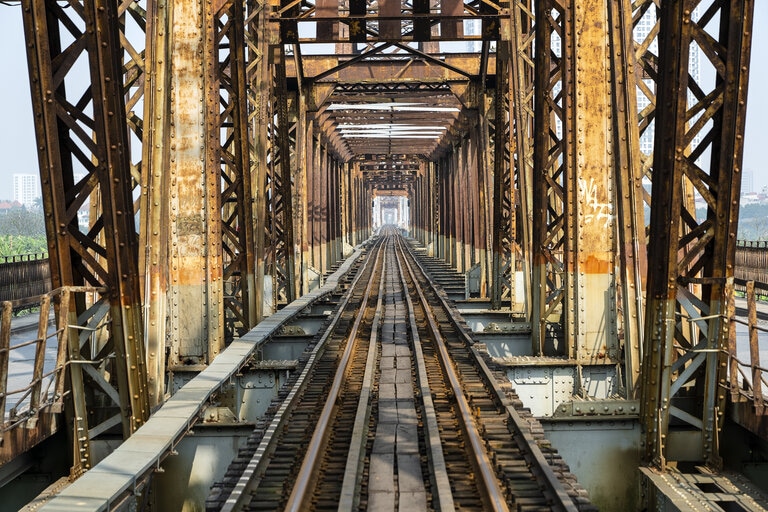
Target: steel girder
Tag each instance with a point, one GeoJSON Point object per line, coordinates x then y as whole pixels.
{"type": "Point", "coordinates": [587, 241]}
{"type": "Point", "coordinates": [504, 219]}
{"type": "Point", "coordinates": [552, 86]}
{"type": "Point", "coordinates": [237, 227]}
{"type": "Point", "coordinates": [280, 252]}
{"type": "Point", "coordinates": [84, 155]}
{"type": "Point", "coordinates": [182, 219]}
{"type": "Point", "coordinates": [258, 38]}
{"type": "Point", "coordinates": [631, 249]}
{"type": "Point", "coordinates": [365, 21]}
{"type": "Point", "coordinates": [521, 92]}
{"type": "Point", "coordinates": [691, 260]}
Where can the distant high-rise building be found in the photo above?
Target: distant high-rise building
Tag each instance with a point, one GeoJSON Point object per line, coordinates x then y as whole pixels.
{"type": "Point", "coordinates": [747, 182]}
{"type": "Point", "coordinates": [472, 28]}
{"type": "Point", "coordinates": [642, 29]}
{"type": "Point", "coordinates": [26, 188]}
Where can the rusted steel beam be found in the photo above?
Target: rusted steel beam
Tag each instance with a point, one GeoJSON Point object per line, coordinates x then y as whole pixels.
{"type": "Point", "coordinates": [575, 199]}
{"type": "Point", "coordinates": [336, 69]}
{"type": "Point", "coordinates": [552, 86]}
{"type": "Point", "coordinates": [154, 271]}
{"type": "Point", "coordinates": [194, 304]}
{"type": "Point", "coordinates": [258, 75]}
{"type": "Point", "coordinates": [631, 248]}
{"type": "Point", "coordinates": [521, 95]}
{"type": "Point", "coordinates": [237, 236]}
{"type": "Point", "coordinates": [280, 212]}
{"type": "Point", "coordinates": [83, 150]}
{"type": "Point", "coordinates": [503, 212]}
{"type": "Point", "coordinates": [691, 260]}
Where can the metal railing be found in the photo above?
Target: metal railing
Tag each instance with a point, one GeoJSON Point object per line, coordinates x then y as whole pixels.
{"type": "Point", "coordinates": [752, 262]}
{"type": "Point", "coordinates": [753, 375]}
{"type": "Point", "coordinates": [36, 392]}
{"type": "Point", "coordinates": [23, 278]}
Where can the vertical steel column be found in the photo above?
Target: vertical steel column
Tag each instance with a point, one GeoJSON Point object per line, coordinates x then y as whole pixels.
{"type": "Point", "coordinates": [154, 234]}
{"type": "Point", "coordinates": [502, 266]}
{"type": "Point", "coordinates": [280, 211]}
{"type": "Point", "coordinates": [85, 132]}
{"type": "Point", "coordinates": [236, 198]}
{"type": "Point", "coordinates": [592, 191]}
{"type": "Point", "coordinates": [323, 207]}
{"type": "Point", "coordinates": [632, 250]}
{"type": "Point", "coordinates": [552, 95]}
{"type": "Point", "coordinates": [303, 189]}
{"type": "Point", "coordinates": [521, 98]}
{"type": "Point", "coordinates": [316, 194]}
{"type": "Point", "coordinates": [434, 212]}
{"type": "Point", "coordinates": [575, 225]}
{"type": "Point", "coordinates": [691, 260]}
{"type": "Point", "coordinates": [258, 38]}
{"type": "Point", "coordinates": [195, 307]}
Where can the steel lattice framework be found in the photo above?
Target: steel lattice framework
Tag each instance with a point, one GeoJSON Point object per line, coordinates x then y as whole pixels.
{"type": "Point", "coordinates": [225, 166]}
{"type": "Point", "coordinates": [84, 155]}
{"type": "Point", "coordinates": [691, 260]}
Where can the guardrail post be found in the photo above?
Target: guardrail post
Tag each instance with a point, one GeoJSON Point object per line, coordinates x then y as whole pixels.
{"type": "Point", "coordinates": [5, 344]}
{"type": "Point", "coordinates": [754, 349]}
{"type": "Point", "coordinates": [733, 362]}
{"type": "Point", "coordinates": [42, 334]}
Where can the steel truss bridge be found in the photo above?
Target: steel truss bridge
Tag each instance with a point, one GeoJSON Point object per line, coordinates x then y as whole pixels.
{"type": "Point", "coordinates": [229, 154]}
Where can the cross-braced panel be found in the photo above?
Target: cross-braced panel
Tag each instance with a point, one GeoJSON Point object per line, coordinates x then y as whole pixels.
{"type": "Point", "coordinates": [279, 254]}
{"type": "Point", "coordinates": [550, 246]}
{"type": "Point", "coordinates": [237, 226]}
{"type": "Point", "coordinates": [698, 152]}
{"type": "Point", "coordinates": [85, 164]}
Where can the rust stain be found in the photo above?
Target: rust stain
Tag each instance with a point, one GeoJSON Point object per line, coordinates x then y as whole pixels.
{"type": "Point", "coordinates": [596, 265]}
{"type": "Point", "coordinates": [191, 271]}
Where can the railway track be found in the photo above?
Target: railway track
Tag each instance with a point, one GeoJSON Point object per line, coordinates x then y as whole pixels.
{"type": "Point", "coordinates": [393, 409]}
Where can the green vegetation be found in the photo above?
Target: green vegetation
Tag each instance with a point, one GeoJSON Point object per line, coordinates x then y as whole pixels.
{"type": "Point", "coordinates": [22, 231]}
{"type": "Point", "coordinates": [753, 221]}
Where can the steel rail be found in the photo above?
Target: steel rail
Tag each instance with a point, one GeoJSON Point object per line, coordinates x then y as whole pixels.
{"type": "Point", "coordinates": [104, 488]}
{"type": "Point", "coordinates": [350, 484]}
{"type": "Point", "coordinates": [444, 495]}
{"type": "Point", "coordinates": [248, 481]}
{"type": "Point", "coordinates": [305, 479]}
{"type": "Point", "coordinates": [489, 488]}
{"type": "Point", "coordinates": [524, 436]}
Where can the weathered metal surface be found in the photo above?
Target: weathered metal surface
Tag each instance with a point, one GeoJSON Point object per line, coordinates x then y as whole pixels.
{"type": "Point", "coordinates": [521, 100]}
{"type": "Point", "coordinates": [194, 305]}
{"type": "Point", "coordinates": [388, 21]}
{"type": "Point", "coordinates": [358, 69]}
{"type": "Point", "coordinates": [258, 38]}
{"type": "Point", "coordinates": [587, 224]}
{"type": "Point", "coordinates": [83, 151]}
{"type": "Point", "coordinates": [279, 255]}
{"type": "Point", "coordinates": [144, 453]}
{"type": "Point", "coordinates": [552, 86]}
{"type": "Point", "coordinates": [154, 204]}
{"type": "Point", "coordinates": [691, 260]}
{"type": "Point", "coordinates": [591, 201]}
{"type": "Point", "coordinates": [237, 238]}
{"type": "Point", "coordinates": [631, 243]}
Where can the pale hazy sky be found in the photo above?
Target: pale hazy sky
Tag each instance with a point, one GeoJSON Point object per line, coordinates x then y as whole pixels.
{"type": "Point", "coordinates": [17, 144]}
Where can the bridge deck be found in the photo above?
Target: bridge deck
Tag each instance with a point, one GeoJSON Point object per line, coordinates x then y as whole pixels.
{"type": "Point", "coordinates": [122, 473]}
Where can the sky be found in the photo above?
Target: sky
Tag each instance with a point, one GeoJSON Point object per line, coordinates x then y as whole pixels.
{"type": "Point", "coordinates": [17, 139]}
